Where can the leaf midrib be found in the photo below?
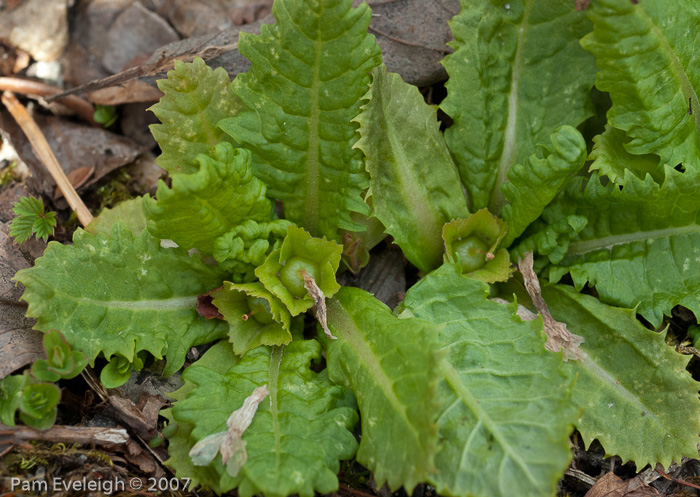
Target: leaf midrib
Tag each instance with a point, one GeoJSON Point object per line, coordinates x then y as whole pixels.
{"type": "Point", "coordinates": [175, 303]}
{"type": "Point", "coordinates": [312, 193]}
{"type": "Point", "coordinates": [509, 150]}
{"type": "Point", "coordinates": [370, 361]}
{"type": "Point", "coordinates": [273, 387]}
{"type": "Point", "coordinates": [471, 403]}
{"type": "Point", "coordinates": [608, 242]}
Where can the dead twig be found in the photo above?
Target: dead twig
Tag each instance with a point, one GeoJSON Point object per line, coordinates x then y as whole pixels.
{"type": "Point", "coordinates": [83, 435]}
{"type": "Point", "coordinates": [46, 156]}
{"type": "Point", "coordinates": [35, 88]}
{"type": "Point", "coordinates": [675, 480]}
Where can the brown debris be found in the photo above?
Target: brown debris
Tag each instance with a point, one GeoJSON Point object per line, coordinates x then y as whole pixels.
{"type": "Point", "coordinates": [611, 486]}
{"type": "Point", "coordinates": [558, 336]}
{"type": "Point", "coordinates": [75, 146]}
{"type": "Point", "coordinates": [20, 345]}
{"type": "Point", "coordinates": [37, 27]}
{"type": "Point", "coordinates": [320, 302]}
{"type": "Point", "coordinates": [104, 437]}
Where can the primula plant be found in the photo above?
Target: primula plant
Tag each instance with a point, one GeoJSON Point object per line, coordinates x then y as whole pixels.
{"type": "Point", "coordinates": [572, 153]}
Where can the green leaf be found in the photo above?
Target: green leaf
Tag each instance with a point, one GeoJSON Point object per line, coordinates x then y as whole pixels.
{"type": "Point", "coordinates": [534, 184]}
{"type": "Point", "coordinates": [247, 245]}
{"type": "Point", "coordinates": [38, 405]}
{"type": "Point", "coordinates": [611, 159]}
{"type": "Point", "coordinates": [255, 316]}
{"type": "Point", "coordinates": [309, 72]}
{"type": "Point", "coordinates": [31, 220]}
{"type": "Point", "coordinates": [319, 257]}
{"type": "Point", "coordinates": [637, 398]}
{"type": "Point", "coordinates": [391, 365]}
{"type": "Point", "coordinates": [118, 371]}
{"type": "Point", "coordinates": [296, 438]}
{"type": "Point", "coordinates": [10, 396]}
{"type": "Point", "coordinates": [204, 205]}
{"type": "Point", "coordinates": [517, 73]}
{"type": "Point", "coordinates": [641, 243]}
{"type": "Point", "coordinates": [647, 58]}
{"type": "Point", "coordinates": [130, 212]}
{"type": "Point", "coordinates": [121, 295]}
{"type": "Point", "coordinates": [470, 244]}
{"type": "Point", "coordinates": [61, 362]}
{"type": "Point", "coordinates": [42, 371]}
{"type": "Point", "coordinates": [195, 99]}
{"type": "Point", "coordinates": [414, 183]}
{"type": "Point", "coordinates": [505, 415]}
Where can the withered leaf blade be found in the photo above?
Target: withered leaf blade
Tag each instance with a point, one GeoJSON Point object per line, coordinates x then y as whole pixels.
{"type": "Point", "coordinates": [320, 302]}
{"type": "Point", "coordinates": [230, 443]}
{"type": "Point", "coordinates": [612, 486]}
{"type": "Point", "coordinates": [558, 335]}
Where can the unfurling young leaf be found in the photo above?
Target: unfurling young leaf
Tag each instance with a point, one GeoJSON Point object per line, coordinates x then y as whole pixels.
{"type": "Point", "coordinates": [195, 99]}
{"type": "Point", "coordinates": [309, 72]}
{"type": "Point", "coordinates": [282, 272]}
{"type": "Point", "coordinates": [202, 206]}
{"type": "Point", "coordinates": [471, 245]}
{"type": "Point", "coordinates": [118, 370]}
{"type": "Point", "coordinates": [37, 405]}
{"type": "Point", "coordinates": [534, 184]}
{"type": "Point", "coordinates": [255, 316]}
{"type": "Point", "coordinates": [30, 219]}
{"type": "Point", "coordinates": [504, 409]}
{"type": "Point", "coordinates": [414, 185]}
{"type": "Point", "coordinates": [391, 365]}
{"type": "Point", "coordinates": [290, 451]}
{"type": "Point", "coordinates": [61, 361]}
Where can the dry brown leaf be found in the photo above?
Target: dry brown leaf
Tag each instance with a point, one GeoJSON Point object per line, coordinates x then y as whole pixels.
{"type": "Point", "coordinates": [558, 336]}
{"type": "Point", "coordinates": [230, 442]}
{"type": "Point", "coordinates": [611, 486]}
{"type": "Point", "coordinates": [75, 146]}
{"type": "Point", "coordinates": [320, 302]}
{"type": "Point", "coordinates": [20, 345]}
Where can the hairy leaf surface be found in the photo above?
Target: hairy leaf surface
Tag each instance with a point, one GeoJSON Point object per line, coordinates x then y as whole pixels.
{"type": "Point", "coordinates": [505, 415]}
{"type": "Point", "coordinates": [204, 205]}
{"type": "Point", "coordinates": [641, 243]}
{"type": "Point", "coordinates": [391, 365]}
{"type": "Point", "coordinates": [297, 437]}
{"type": "Point", "coordinates": [649, 63]}
{"type": "Point", "coordinates": [637, 398]}
{"type": "Point", "coordinates": [517, 74]}
{"type": "Point", "coordinates": [122, 294]}
{"type": "Point", "coordinates": [414, 183]}
{"type": "Point", "coordinates": [195, 99]}
{"type": "Point", "coordinates": [534, 184]}
{"type": "Point", "coordinates": [309, 72]}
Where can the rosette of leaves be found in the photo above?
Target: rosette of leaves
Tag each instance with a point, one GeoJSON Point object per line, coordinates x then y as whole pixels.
{"type": "Point", "coordinates": [118, 370]}
{"type": "Point", "coordinates": [61, 361]}
{"type": "Point", "coordinates": [31, 220]}
{"type": "Point", "coordinates": [471, 245]}
{"type": "Point", "coordinates": [36, 401]}
{"type": "Point", "coordinates": [282, 274]}
{"type": "Point", "coordinates": [254, 315]}
{"type": "Point", "coordinates": [247, 245]}
{"type": "Point", "coordinates": [296, 438]}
